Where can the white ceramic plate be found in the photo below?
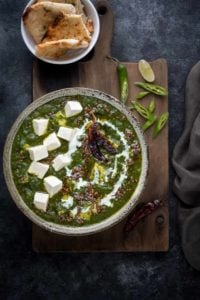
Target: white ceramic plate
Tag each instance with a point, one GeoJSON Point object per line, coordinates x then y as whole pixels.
{"type": "Point", "coordinates": [72, 55]}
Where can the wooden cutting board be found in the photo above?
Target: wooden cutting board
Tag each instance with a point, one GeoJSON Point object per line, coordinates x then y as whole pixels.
{"type": "Point", "coordinates": [99, 72]}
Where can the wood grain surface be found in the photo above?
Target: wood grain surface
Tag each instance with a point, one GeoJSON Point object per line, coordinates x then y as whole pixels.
{"type": "Point", "coordinates": [99, 72]}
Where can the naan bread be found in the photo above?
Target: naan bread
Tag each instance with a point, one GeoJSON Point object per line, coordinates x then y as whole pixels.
{"type": "Point", "coordinates": [79, 9]}
{"type": "Point", "coordinates": [77, 3]}
{"type": "Point", "coordinates": [89, 25]}
{"type": "Point", "coordinates": [40, 16]}
{"type": "Point", "coordinates": [55, 49]}
{"type": "Point", "coordinates": [68, 27]}
{"type": "Point", "coordinates": [59, 1]}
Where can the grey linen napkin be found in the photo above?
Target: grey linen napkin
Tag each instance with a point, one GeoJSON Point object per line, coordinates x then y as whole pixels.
{"type": "Point", "coordinates": [186, 162]}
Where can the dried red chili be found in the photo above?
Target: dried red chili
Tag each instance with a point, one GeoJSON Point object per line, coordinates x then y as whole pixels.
{"type": "Point", "coordinates": [102, 141]}
{"type": "Point", "coordinates": [96, 139]}
{"type": "Point", "coordinates": [141, 212]}
{"type": "Point", "coordinates": [94, 148]}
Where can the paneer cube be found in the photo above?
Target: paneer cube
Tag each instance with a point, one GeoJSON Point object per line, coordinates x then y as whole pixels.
{"type": "Point", "coordinates": [66, 133]}
{"type": "Point", "coordinates": [73, 108]}
{"type": "Point", "coordinates": [61, 161]}
{"type": "Point", "coordinates": [53, 185]}
{"type": "Point", "coordinates": [41, 200]}
{"type": "Point", "coordinates": [38, 152]}
{"type": "Point", "coordinates": [52, 142]}
{"type": "Point", "coordinates": [38, 169]}
{"type": "Point", "coordinates": [40, 126]}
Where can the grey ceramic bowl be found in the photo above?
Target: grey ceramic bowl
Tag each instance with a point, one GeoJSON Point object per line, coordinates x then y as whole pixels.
{"type": "Point", "coordinates": [63, 229]}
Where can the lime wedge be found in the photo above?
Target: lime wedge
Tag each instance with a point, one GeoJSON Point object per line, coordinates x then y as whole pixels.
{"type": "Point", "coordinates": [146, 70]}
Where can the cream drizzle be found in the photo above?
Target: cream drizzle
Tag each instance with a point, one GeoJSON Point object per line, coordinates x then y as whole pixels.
{"type": "Point", "coordinates": [125, 153]}
{"type": "Point", "coordinates": [75, 143]}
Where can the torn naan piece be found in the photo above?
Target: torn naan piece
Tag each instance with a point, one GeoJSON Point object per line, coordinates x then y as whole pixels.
{"type": "Point", "coordinates": [58, 1]}
{"type": "Point", "coordinates": [38, 17]}
{"type": "Point", "coordinates": [79, 9]}
{"type": "Point", "coordinates": [78, 6]}
{"type": "Point", "coordinates": [68, 27]}
{"type": "Point", "coordinates": [89, 25]}
{"type": "Point", "coordinates": [55, 49]}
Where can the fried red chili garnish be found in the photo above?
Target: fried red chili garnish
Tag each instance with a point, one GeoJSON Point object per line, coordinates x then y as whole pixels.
{"type": "Point", "coordinates": [102, 141]}
{"type": "Point", "coordinates": [96, 140]}
{"type": "Point", "coordinates": [94, 147]}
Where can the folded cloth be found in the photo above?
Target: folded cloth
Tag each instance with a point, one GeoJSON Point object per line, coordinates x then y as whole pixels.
{"type": "Point", "coordinates": [186, 162]}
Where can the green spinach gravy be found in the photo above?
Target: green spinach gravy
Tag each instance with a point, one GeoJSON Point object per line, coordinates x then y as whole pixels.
{"type": "Point", "coordinates": [94, 184]}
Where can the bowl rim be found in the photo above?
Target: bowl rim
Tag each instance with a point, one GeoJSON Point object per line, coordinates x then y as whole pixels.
{"type": "Point", "coordinates": [25, 36]}
{"type": "Point", "coordinates": [64, 229]}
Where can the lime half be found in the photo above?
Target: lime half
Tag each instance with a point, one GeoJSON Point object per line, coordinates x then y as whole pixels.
{"type": "Point", "coordinates": [146, 70]}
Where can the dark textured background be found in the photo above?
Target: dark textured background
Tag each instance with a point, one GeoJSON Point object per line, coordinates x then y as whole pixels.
{"type": "Point", "coordinates": [143, 28]}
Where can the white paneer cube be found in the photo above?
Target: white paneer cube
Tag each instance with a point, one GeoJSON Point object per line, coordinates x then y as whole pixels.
{"type": "Point", "coordinates": [66, 133]}
{"type": "Point", "coordinates": [67, 203]}
{"type": "Point", "coordinates": [53, 185]}
{"type": "Point", "coordinates": [40, 126]}
{"type": "Point", "coordinates": [61, 161]}
{"type": "Point", "coordinates": [73, 108]}
{"type": "Point", "coordinates": [38, 169]}
{"type": "Point", "coordinates": [38, 152]}
{"type": "Point", "coordinates": [41, 200]}
{"type": "Point", "coordinates": [52, 142]}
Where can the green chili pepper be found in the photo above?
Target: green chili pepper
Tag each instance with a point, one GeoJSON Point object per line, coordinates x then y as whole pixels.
{"type": "Point", "coordinates": [161, 122]}
{"type": "Point", "coordinates": [152, 88]}
{"type": "Point", "coordinates": [123, 82]}
{"type": "Point", "coordinates": [122, 78]}
{"type": "Point", "coordinates": [152, 106]}
{"type": "Point", "coordinates": [142, 110]}
{"type": "Point", "coordinates": [149, 122]}
{"type": "Point", "coordinates": [146, 114]}
{"type": "Point", "coordinates": [141, 95]}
